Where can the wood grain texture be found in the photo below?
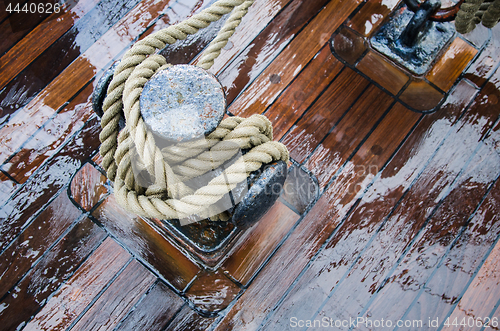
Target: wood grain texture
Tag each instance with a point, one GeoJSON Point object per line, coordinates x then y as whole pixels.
{"type": "Point", "coordinates": [88, 187]}
{"type": "Point", "coordinates": [264, 90]}
{"type": "Point", "coordinates": [267, 46]}
{"type": "Point", "coordinates": [74, 296]}
{"type": "Point", "coordinates": [153, 312]}
{"type": "Point", "coordinates": [450, 65]}
{"type": "Point", "coordinates": [33, 197]}
{"type": "Point", "coordinates": [10, 35]}
{"type": "Point", "coordinates": [484, 66]}
{"type": "Point", "coordinates": [451, 278]}
{"type": "Point", "coordinates": [20, 22]}
{"type": "Point", "coordinates": [344, 248]}
{"type": "Point", "coordinates": [76, 75]}
{"type": "Point", "coordinates": [188, 319]}
{"type": "Point", "coordinates": [371, 15]}
{"type": "Point", "coordinates": [341, 142]}
{"type": "Point", "coordinates": [308, 237]}
{"type": "Point", "coordinates": [212, 291]}
{"type": "Point", "coordinates": [348, 45]}
{"type": "Point", "coordinates": [409, 216]}
{"type": "Point", "coordinates": [55, 267]}
{"type": "Point", "coordinates": [383, 72]}
{"type": "Point", "coordinates": [39, 39]}
{"type": "Point", "coordinates": [421, 96]}
{"type": "Point", "coordinates": [46, 142]}
{"type": "Point", "coordinates": [7, 188]}
{"type": "Point", "coordinates": [48, 65]}
{"type": "Point", "coordinates": [146, 243]}
{"type": "Point", "coordinates": [302, 92]}
{"type": "Point", "coordinates": [29, 247]}
{"type": "Point", "coordinates": [324, 114]}
{"type": "Point", "coordinates": [354, 251]}
{"type": "Point", "coordinates": [431, 245]}
{"type": "Point", "coordinates": [481, 298]}
{"type": "Point", "coordinates": [117, 299]}
{"type": "Point", "coordinates": [255, 27]}
{"type": "Point", "coordinates": [257, 243]}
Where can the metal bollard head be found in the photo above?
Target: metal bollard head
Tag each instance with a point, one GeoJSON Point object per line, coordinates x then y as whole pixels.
{"type": "Point", "coordinates": [182, 103]}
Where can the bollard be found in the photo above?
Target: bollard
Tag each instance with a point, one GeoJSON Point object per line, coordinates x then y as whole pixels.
{"type": "Point", "coordinates": [183, 103]}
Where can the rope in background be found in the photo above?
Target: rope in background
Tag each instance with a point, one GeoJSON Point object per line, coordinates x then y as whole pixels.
{"type": "Point", "coordinates": [168, 197]}
{"type": "Point", "coordinates": [473, 12]}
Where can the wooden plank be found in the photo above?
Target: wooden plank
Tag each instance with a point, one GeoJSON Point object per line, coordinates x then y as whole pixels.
{"type": "Point", "coordinates": [79, 69]}
{"type": "Point", "coordinates": [421, 96]}
{"type": "Point", "coordinates": [348, 45]}
{"type": "Point", "coordinates": [212, 292]}
{"type": "Point", "coordinates": [27, 249]}
{"type": "Point", "coordinates": [332, 153]}
{"type": "Point", "coordinates": [75, 295]}
{"type": "Point", "coordinates": [406, 220]}
{"type": "Point", "coordinates": [383, 72]}
{"type": "Point", "coordinates": [484, 66]}
{"type": "Point", "coordinates": [154, 311]}
{"type": "Point", "coordinates": [325, 113]}
{"type": "Point", "coordinates": [257, 243]}
{"type": "Point", "coordinates": [333, 261]}
{"type": "Point", "coordinates": [300, 189]}
{"type": "Point", "coordinates": [3, 13]}
{"type": "Point", "coordinates": [61, 54]}
{"type": "Point", "coordinates": [268, 44]}
{"type": "Point", "coordinates": [56, 267]}
{"type": "Point", "coordinates": [118, 299]}
{"type": "Point", "coordinates": [303, 91]}
{"type": "Point", "coordinates": [146, 243]}
{"type": "Point", "coordinates": [184, 51]}
{"type": "Point", "coordinates": [255, 26]}
{"type": "Point", "coordinates": [51, 137]}
{"type": "Point", "coordinates": [478, 37]}
{"type": "Point", "coordinates": [76, 75]}
{"type": "Point", "coordinates": [269, 84]}
{"type": "Point", "coordinates": [66, 122]}
{"type": "Point", "coordinates": [308, 237]}
{"type": "Point", "coordinates": [19, 25]}
{"type": "Point", "coordinates": [451, 64]}
{"type": "Point", "coordinates": [433, 242]}
{"type": "Point", "coordinates": [7, 188]}
{"type": "Point", "coordinates": [481, 297]}
{"type": "Point", "coordinates": [188, 319]}
{"type": "Point", "coordinates": [18, 212]}
{"type": "Point", "coordinates": [39, 39]}
{"type": "Point", "coordinates": [87, 187]}
{"type": "Point", "coordinates": [451, 278]}
{"type": "Point", "coordinates": [371, 15]}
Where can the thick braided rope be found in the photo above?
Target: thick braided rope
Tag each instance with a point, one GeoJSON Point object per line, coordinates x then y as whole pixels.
{"type": "Point", "coordinates": [492, 15]}
{"type": "Point", "coordinates": [169, 197]}
{"type": "Point", "coordinates": [472, 12]}
{"type": "Point", "coordinates": [214, 48]}
{"type": "Point", "coordinates": [466, 19]}
{"type": "Point", "coordinates": [113, 105]}
{"type": "Point", "coordinates": [151, 156]}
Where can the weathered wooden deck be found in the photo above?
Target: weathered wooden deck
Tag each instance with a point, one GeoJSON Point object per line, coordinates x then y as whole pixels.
{"type": "Point", "coordinates": [405, 226]}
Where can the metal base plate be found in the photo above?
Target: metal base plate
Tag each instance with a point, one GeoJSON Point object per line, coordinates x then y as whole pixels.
{"type": "Point", "coordinates": [419, 58]}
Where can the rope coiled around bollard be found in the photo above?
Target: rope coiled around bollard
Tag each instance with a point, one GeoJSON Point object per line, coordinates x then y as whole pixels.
{"type": "Point", "coordinates": [168, 197]}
